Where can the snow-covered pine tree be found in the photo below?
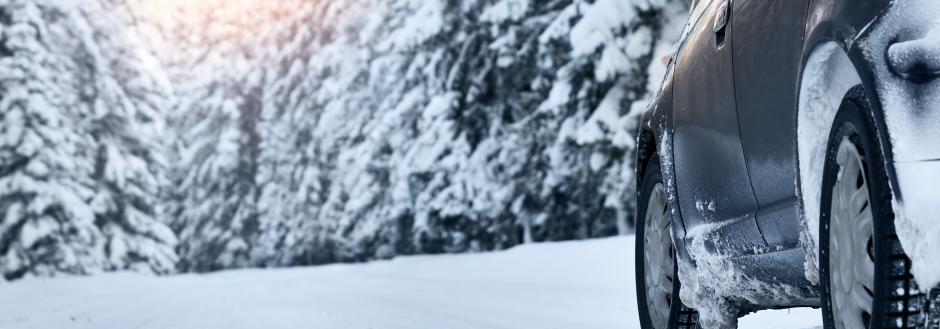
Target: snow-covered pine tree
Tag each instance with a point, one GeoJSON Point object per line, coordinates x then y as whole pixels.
{"type": "Point", "coordinates": [451, 126]}
{"type": "Point", "coordinates": [215, 190]}
{"type": "Point", "coordinates": [220, 74]}
{"type": "Point", "coordinates": [127, 124]}
{"type": "Point", "coordinates": [292, 179]}
{"type": "Point", "coordinates": [78, 178]}
{"type": "Point", "coordinates": [47, 162]}
{"type": "Point", "coordinates": [421, 126]}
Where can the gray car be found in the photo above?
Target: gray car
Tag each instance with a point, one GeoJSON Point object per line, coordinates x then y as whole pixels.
{"type": "Point", "coordinates": [792, 158]}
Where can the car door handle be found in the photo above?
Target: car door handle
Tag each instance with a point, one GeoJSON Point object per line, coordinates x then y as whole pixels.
{"type": "Point", "coordinates": [722, 20]}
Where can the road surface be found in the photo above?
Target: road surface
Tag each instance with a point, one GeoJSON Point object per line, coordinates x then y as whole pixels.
{"type": "Point", "coordinates": [559, 285]}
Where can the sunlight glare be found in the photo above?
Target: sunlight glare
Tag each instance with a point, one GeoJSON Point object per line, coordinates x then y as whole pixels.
{"type": "Point", "coordinates": [195, 21]}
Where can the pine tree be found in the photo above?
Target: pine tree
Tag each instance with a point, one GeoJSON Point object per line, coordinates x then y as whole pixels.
{"type": "Point", "coordinates": [216, 120]}
{"type": "Point", "coordinates": [79, 177]}
{"type": "Point", "coordinates": [215, 214]}
{"type": "Point", "coordinates": [435, 126]}
{"type": "Point", "coordinates": [127, 125]}
{"type": "Point", "coordinates": [45, 173]}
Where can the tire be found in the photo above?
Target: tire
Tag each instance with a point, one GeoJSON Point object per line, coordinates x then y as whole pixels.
{"type": "Point", "coordinates": [865, 276]}
{"type": "Point", "coordinates": [666, 312]}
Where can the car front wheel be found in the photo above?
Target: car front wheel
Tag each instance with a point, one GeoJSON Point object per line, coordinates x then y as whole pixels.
{"type": "Point", "coordinates": [865, 276]}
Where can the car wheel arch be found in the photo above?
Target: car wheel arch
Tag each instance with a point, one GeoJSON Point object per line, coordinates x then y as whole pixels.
{"type": "Point", "coordinates": [646, 150]}
{"type": "Point", "coordinates": [831, 75]}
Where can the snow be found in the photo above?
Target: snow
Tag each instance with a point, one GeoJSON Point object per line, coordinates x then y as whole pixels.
{"type": "Point", "coordinates": [716, 287]}
{"type": "Point", "coordinates": [425, 21]}
{"type": "Point", "coordinates": [907, 55]}
{"type": "Point", "coordinates": [916, 219]}
{"type": "Point", "coordinates": [594, 30]}
{"type": "Point", "coordinates": [600, 28]}
{"type": "Point", "coordinates": [564, 285]}
{"type": "Point", "coordinates": [506, 10]}
{"type": "Point", "coordinates": [829, 76]}
{"type": "Point", "coordinates": [904, 40]}
{"type": "Point", "coordinates": [606, 118]}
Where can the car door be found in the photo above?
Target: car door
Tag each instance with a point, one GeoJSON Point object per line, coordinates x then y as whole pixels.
{"type": "Point", "coordinates": [767, 57]}
{"type": "Point", "coordinates": [713, 186]}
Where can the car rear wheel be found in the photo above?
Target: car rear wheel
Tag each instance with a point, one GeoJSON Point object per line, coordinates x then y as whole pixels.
{"type": "Point", "coordinates": [657, 276]}
{"type": "Point", "coordinates": [865, 276]}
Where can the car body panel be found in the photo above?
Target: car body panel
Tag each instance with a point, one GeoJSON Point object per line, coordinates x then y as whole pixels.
{"type": "Point", "coordinates": [767, 54]}
{"type": "Point", "coordinates": [710, 169]}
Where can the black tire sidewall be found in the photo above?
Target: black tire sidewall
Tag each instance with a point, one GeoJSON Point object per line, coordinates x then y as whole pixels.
{"type": "Point", "coordinates": [853, 123]}
{"type": "Point", "coordinates": [652, 176]}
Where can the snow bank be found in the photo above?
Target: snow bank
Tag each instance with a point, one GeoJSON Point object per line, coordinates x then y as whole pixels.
{"type": "Point", "coordinates": [565, 285]}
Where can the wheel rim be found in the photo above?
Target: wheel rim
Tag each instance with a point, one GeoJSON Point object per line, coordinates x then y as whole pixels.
{"type": "Point", "coordinates": [851, 234]}
{"type": "Point", "coordinates": [658, 260]}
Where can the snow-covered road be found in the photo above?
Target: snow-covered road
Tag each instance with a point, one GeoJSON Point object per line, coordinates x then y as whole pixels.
{"type": "Point", "coordinates": [560, 285]}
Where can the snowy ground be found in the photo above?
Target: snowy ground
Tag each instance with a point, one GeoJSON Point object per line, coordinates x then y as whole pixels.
{"type": "Point", "coordinates": [563, 285]}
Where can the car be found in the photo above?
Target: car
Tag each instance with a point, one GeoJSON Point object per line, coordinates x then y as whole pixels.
{"type": "Point", "coordinates": [791, 159]}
